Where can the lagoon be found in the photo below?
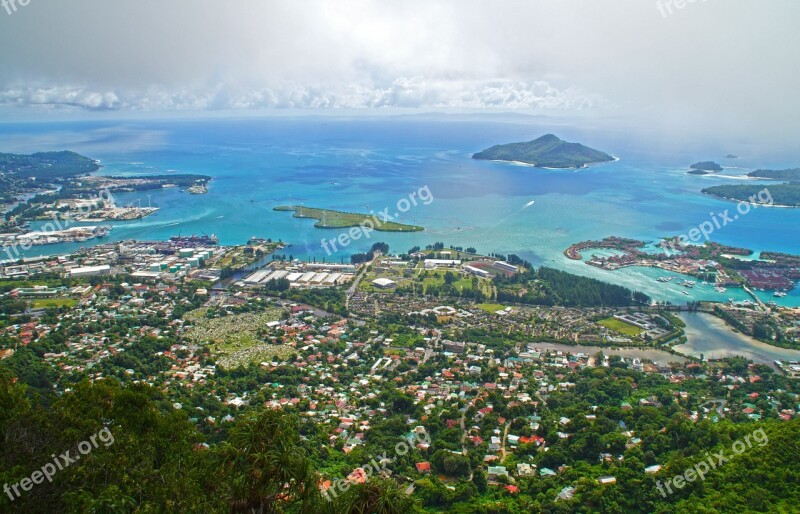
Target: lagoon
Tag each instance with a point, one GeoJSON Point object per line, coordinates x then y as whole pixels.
{"type": "Point", "coordinates": [710, 337]}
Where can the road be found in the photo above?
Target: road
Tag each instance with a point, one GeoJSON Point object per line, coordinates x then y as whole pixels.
{"type": "Point", "coordinates": [720, 407]}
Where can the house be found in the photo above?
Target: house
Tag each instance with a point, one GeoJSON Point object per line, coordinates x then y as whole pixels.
{"type": "Point", "coordinates": [497, 471]}
{"type": "Point", "coordinates": [607, 480]}
{"type": "Point", "coordinates": [423, 467]}
{"type": "Point", "coordinates": [525, 470]}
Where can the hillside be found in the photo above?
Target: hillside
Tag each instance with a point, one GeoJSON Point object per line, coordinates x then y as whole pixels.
{"type": "Point", "coordinates": [47, 165]}
{"type": "Point", "coordinates": [704, 168]}
{"type": "Point", "coordinates": [790, 174]}
{"type": "Point", "coordinates": [548, 151]}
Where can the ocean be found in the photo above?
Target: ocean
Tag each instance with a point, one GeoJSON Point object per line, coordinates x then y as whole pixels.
{"type": "Point", "coordinates": [365, 164]}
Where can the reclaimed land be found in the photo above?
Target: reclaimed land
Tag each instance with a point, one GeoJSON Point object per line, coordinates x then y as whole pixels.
{"type": "Point", "coordinates": [327, 218]}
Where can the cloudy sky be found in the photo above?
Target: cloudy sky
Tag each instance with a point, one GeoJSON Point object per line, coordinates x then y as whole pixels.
{"type": "Point", "coordinates": [713, 62]}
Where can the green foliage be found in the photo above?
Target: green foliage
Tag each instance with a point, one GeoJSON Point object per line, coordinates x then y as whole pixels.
{"type": "Point", "coordinates": [781, 194]}
{"type": "Point", "coordinates": [547, 151]}
{"type": "Point", "coordinates": [47, 165]}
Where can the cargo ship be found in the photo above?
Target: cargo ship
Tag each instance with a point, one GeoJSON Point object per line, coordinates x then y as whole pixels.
{"type": "Point", "coordinates": [194, 240]}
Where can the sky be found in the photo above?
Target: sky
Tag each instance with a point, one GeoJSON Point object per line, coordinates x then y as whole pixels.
{"type": "Point", "coordinates": [727, 65]}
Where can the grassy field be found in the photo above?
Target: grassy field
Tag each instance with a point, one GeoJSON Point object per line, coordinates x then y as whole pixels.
{"type": "Point", "coordinates": [53, 302]}
{"type": "Point", "coordinates": [621, 327]}
{"type": "Point", "coordinates": [491, 308]}
{"type": "Point", "coordinates": [436, 278]}
{"type": "Point", "coordinates": [336, 219]}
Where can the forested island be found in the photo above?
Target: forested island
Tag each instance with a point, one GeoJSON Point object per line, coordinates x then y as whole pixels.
{"type": "Point", "coordinates": [788, 174]}
{"type": "Point", "coordinates": [47, 165]}
{"type": "Point", "coordinates": [704, 168]}
{"type": "Point", "coordinates": [327, 218]}
{"type": "Point", "coordinates": [783, 195]}
{"type": "Point", "coordinates": [548, 151]}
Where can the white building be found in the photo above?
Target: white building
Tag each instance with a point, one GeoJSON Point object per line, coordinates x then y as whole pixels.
{"type": "Point", "coordinates": [90, 271]}
{"type": "Point", "coordinates": [384, 283]}
{"type": "Point", "coordinates": [434, 263]}
{"type": "Point", "coordinates": [476, 271]}
{"type": "Point", "coordinates": [503, 265]}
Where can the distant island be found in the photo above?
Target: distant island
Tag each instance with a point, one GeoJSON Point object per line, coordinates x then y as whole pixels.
{"type": "Point", "coordinates": [704, 168]}
{"type": "Point", "coordinates": [547, 151]}
{"type": "Point", "coordinates": [327, 218]}
{"type": "Point", "coordinates": [50, 185]}
{"type": "Point", "coordinates": [783, 195]}
{"type": "Point", "coordinates": [47, 165]}
{"type": "Point", "coordinates": [731, 156]}
{"type": "Point", "coordinates": [789, 174]}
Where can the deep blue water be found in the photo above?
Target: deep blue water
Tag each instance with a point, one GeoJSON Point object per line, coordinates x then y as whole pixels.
{"type": "Point", "coordinates": [363, 164]}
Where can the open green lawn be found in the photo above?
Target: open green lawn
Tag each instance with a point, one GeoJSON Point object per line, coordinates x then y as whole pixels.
{"type": "Point", "coordinates": [621, 327]}
{"type": "Point", "coordinates": [436, 278]}
{"type": "Point", "coordinates": [53, 302]}
{"type": "Point", "coordinates": [491, 308]}
{"type": "Point", "coordinates": [327, 218]}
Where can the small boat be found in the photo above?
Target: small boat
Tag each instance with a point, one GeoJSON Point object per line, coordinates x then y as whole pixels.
{"type": "Point", "coordinates": [685, 292]}
{"type": "Point", "coordinates": [720, 289]}
{"type": "Point", "coordinates": [780, 294]}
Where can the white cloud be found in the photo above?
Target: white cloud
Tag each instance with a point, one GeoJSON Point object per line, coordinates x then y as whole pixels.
{"type": "Point", "coordinates": [404, 92]}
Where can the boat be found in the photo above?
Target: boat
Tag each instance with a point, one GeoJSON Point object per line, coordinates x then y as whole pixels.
{"type": "Point", "coordinates": [665, 279]}
{"type": "Point", "coordinates": [720, 289]}
{"type": "Point", "coordinates": [779, 294]}
{"type": "Point", "coordinates": [685, 292]}
{"type": "Point", "coordinates": [195, 240]}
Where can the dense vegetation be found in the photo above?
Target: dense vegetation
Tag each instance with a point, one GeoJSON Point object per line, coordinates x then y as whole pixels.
{"type": "Point", "coordinates": [154, 459]}
{"type": "Point", "coordinates": [789, 174]}
{"type": "Point", "coordinates": [706, 166]}
{"type": "Point", "coordinates": [272, 461]}
{"type": "Point", "coordinates": [549, 286]}
{"type": "Point", "coordinates": [327, 218]}
{"type": "Point", "coordinates": [782, 194]}
{"type": "Point", "coordinates": [547, 151]}
{"type": "Point", "coordinates": [47, 165]}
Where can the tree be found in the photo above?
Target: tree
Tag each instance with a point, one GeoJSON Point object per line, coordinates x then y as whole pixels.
{"type": "Point", "coordinates": [263, 467]}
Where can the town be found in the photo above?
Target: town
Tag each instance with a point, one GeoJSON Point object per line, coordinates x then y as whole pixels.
{"type": "Point", "coordinates": [498, 395]}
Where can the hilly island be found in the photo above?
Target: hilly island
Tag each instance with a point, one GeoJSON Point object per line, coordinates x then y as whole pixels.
{"type": "Point", "coordinates": [548, 151]}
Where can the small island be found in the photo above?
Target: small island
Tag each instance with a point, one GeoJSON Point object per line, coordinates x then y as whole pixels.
{"type": "Point", "coordinates": [704, 168]}
{"type": "Point", "coordinates": [547, 151]}
{"type": "Point", "coordinates": [780, 195]}
{"type": "Point", "coordinates": [789, 174]}
{"type": "Point", "coordinates": [327, 218]}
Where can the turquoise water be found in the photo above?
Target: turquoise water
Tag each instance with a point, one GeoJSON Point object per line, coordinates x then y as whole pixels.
{"type": "Point", "coordinates": [363, 164]}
